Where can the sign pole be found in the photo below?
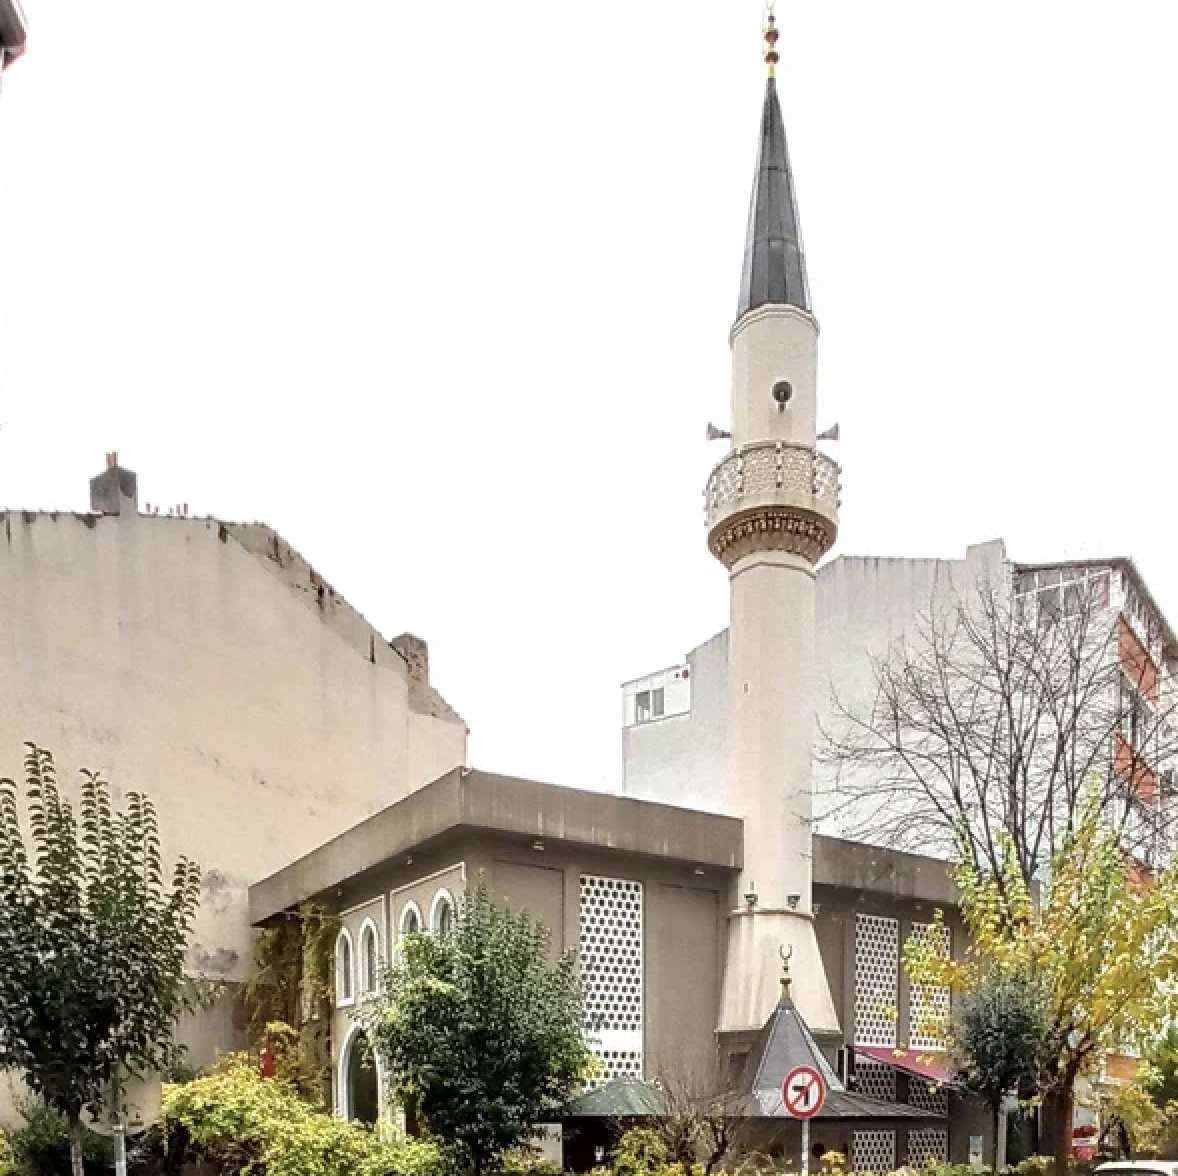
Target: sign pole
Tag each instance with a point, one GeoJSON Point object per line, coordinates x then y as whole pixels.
{"type": "Point", "coordinates": [805, 1147]}
{"type": "Point", "coordinates": [120, 1138]}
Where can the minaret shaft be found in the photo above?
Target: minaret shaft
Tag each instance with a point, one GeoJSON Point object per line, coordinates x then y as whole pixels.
{"type": "Point", "coordinates": [772, 512]}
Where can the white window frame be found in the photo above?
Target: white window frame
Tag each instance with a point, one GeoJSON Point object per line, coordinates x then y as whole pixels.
{"type": "Point", "coordinates": [651, 715]}
{"type": "Point", "coordinates": [343, 1002]}
{"type": "Point", "coordinates": [409, 908]}
{"type": "Point", "coordinates": [368, 927]}
{"type": "Point", "coordinates": [441, 898]}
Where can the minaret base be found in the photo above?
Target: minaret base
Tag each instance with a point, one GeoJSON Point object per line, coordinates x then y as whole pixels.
{"type": "Point", "coordinates": [757, 940]}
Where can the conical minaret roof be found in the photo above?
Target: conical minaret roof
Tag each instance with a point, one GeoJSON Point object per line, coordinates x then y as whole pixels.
{"type": "Point", "coordinates": [774, 265]}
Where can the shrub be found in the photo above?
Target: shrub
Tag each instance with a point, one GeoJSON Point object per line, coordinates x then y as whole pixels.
{"type": "Point", "coordinates": [241, 1121]}
{"type": "Point", "coordinates": [42, 1146]}
{"type": "Point", "coordinates": [640, 1152]}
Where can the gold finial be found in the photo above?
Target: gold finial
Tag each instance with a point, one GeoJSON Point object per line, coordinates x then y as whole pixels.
{"type": "Point", "coordinates": [786, 956]}
{"type": "Point", "coordinates": [771, 35]}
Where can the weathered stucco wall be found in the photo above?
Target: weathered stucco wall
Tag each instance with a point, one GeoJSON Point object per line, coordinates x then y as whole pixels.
{"type": "Point", "coordinates": [262, 716]}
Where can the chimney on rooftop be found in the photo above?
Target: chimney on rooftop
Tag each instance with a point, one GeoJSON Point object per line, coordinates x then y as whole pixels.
{"type": "Point", "coordinates": [416, 654]}
{"type": "Point", "coordinates": [114, 489]}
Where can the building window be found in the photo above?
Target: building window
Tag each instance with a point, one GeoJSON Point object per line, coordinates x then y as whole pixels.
{"type": "Point", "coordinates": [875, 1080]}
{"type": "Point", "coordinates": [345, 974]}
{"type": "Point", "coordinates": [649, 704]}
{"type": "Point", "coordinates": [410, 920]}
{"type": "Point", "coordinates": [877, 981]}
{"type": "Point", "coordinates": [1050, 593]}
{"type": "Point", "coordinates": [928, 1005]}
{"type": "Point", "coordinates": [873, 1151]}
{"type": "Point", "coordinates": [441, 915]}
{"type": "Point", "coordinates": [611, 973]}
{"type": "Point", "coordinates": [928, 1145]}
{"type": "Point", "coordinates": [369, 959]}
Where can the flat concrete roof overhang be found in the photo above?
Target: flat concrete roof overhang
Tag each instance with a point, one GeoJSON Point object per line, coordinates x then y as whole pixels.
{"type": "Point", "coordinates": [480, 802]}
{"type": "Point", "coordinates": [888, 873]}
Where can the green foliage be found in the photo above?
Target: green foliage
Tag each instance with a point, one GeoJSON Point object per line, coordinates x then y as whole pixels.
{"type": "Point", "coordinates": [92, 939]}
{"type": "Point", "coordinates": [999, 1036]}
{"type": "Point", "coordinates": [42, 1146]}
{"type": "Point", "coordinates": [1100, 943]}
{"type": "Point", "coordinates": [640, 1152]}
{"type": "Point", "coordinates": [480, 1034]}
{"type": "Point", "coordinates": [1162, 1078]}
{"type": "Point", "coordinates": [242, 1122]}
{"type": "Point", "coordinates": [291, 985]}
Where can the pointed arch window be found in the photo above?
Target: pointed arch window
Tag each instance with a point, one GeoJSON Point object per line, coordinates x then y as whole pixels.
{"type": "Point", "coordinates": [345, 969]}
{"type": "Point", "coordinates": [369, 958]}
{"type": "Point", "coordinates": [441, 915]}
{"type": "Point", "coordinates": [410, 919]}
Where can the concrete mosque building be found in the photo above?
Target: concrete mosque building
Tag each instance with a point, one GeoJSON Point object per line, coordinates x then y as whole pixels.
{"type": "Point", "coordinates": [682, 912]}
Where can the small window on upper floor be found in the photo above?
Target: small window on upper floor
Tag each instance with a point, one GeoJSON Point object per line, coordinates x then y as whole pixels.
{"type": "Point", "coordinates": [410, 920]}
{"type": "Point", "coordinates": [369, 961]}
{"type": "Point", "coordinates": [442, 914]}
{"type": "Point", "coordinates": [649, 704]}
{"type": "Point", "coordinates": [345, 975]}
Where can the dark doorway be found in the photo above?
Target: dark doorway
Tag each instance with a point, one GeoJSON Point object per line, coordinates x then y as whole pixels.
{"type": "Point", "coordinates": [363, 1095]}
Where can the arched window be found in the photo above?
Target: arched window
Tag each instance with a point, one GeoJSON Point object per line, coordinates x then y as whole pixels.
{"type": "Point", "coordinates": [345, 973]}
{"type": "Point", "coordinates": [410, 919]}
{"type": "Point", "coordinates": [369, 958]}
{"type": "Point", "coordinates": [441, 914]}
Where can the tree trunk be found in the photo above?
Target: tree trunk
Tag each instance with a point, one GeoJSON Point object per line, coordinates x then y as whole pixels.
{"type": "Point", "coordinates": [997, 1128]}
{"type": "Point", "coordinates": [76, 1147]}
{"type": "Point", "coordinates": [1057, 1113]}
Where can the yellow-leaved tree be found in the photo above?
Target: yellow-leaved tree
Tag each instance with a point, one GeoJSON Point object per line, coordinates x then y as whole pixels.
{"type": "Point", "coordinates": [1098, 938]}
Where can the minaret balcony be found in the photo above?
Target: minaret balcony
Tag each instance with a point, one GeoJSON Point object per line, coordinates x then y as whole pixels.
{"type": "Point", "coordinates": [772, 496]}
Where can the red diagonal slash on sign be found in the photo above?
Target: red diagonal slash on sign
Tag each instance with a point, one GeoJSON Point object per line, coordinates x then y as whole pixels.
{"type": "Point", "coordinates": [803, 1092]}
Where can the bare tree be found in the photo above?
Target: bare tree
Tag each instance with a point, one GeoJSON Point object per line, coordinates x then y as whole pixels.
{"type": "Point", "coordinates": [703, 1122]}
{"type": "Point", "coordinates": [1001, 713]}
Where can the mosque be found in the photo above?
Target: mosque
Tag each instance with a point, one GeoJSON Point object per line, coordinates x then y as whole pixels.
{"type": "Point", "coordinates": [210, 665]}
{"type": "Point", "coordinates": [683, 912]}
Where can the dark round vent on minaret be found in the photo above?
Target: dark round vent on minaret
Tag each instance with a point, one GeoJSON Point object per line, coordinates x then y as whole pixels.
{"type": "Point", "coordinates": [783, 392]}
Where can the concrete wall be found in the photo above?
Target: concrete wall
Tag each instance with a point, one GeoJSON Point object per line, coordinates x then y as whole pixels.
{"type": "Point", "coordinates": [864, 606]}
{"type": "Point", "coordinates": [684, 921]}
{"type": "Point", "coordinates": [261, 715]}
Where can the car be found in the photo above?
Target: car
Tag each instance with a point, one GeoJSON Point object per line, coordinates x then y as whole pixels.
{"type": "Point", "coordinates": [1138, 1168]}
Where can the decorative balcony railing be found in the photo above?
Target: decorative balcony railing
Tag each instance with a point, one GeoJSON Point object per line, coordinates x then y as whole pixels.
{"type": "Point", "coordinates": [764, 472]}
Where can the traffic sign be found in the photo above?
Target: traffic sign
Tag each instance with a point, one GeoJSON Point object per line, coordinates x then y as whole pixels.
{"type": "Point", "coordinates": [803, 1092]}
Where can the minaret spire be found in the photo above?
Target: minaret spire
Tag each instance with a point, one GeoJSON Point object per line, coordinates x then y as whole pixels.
{"type": "Point", "coordinates": [774, 265]}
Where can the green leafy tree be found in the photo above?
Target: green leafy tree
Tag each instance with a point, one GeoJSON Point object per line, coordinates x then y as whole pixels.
{"type": "Point", "coordinates": [1100, 942]}
{"type": "Point", "coordinates": [998, 1038]}
{"type": "Point", "coordinates": [480, 1033]}
{"type": "Point", "coordinates": [92, 942]}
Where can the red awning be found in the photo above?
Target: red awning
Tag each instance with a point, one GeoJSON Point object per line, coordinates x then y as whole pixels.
{"type": "Point", "coordinates": [923, 1063]}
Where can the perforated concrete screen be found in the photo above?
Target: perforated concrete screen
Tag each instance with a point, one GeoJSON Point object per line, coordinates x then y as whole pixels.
{"type": "Point", "coordinates": [873, 1151]}
{"type": "Point", "coordinates": [928, 1096]}
{"type": "Point", "coordinates": [877, 976]}
{"type": "Point", "coordinates": [928, 1143]}
{"type": "Point", "coordinates": [928, 1007]}
{"type": "Point", "coordinates": [611, 973]}
{"type": "Point", "coordinates": [875, 1080]}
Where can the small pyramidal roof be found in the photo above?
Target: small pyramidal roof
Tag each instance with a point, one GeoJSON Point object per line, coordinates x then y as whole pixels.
{"type": "Point", "coordinates": [784, 1043]}
{"type": "Point", "coordinates": [774, 264]}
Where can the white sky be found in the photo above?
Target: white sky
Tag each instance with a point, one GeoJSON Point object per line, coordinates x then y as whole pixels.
{"type": "Point", "coordinates": [442, 292]}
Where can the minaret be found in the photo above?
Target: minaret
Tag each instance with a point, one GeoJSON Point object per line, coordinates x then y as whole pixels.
{"type": "Point", "coordinates": [772, 512]}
